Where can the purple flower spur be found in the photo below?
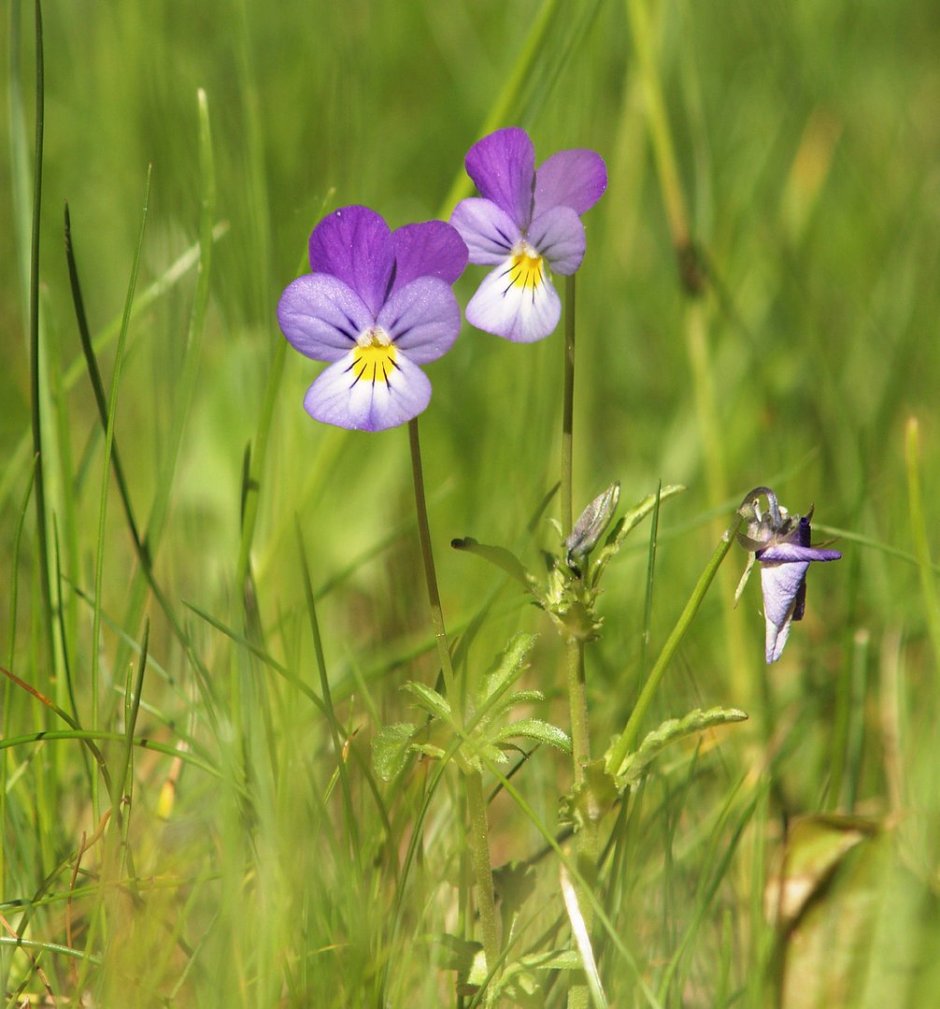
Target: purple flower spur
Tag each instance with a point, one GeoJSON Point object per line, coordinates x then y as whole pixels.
{"type": "Point", "coordinates": [377, 304]}
{"type": "Point", "coordinates": [781, 545]}
{"type": "Point", "coordinates": [525, 222]}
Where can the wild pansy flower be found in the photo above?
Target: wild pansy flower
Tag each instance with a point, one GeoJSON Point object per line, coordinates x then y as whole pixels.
{"type": "Point", "coordinates": [525, 222]}
{"type": "Point", "coordinates": [377, 304]}
{"type": "Point", "coordinates": [781, 545]}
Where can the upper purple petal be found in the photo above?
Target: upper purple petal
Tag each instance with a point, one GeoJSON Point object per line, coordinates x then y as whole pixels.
{"type": "Point", "coordinates": [789, 553]}
{"type": "Point", "coordinates": [422, 318]}
{"type": "Point", "coordinates": [558, 235]}
{"type": "Point", "coordinates": [321, 316]}
{"type": "Point", "coordinates": [489, 232]}
{"type": "Point", "coordinates": [502, 165]}
{"type": "Point", "coordinates": [575, 178]}
{"type": "Point", "coordinates": [430, 249]}
{"type": "Point", "coordinates": [355, 245]}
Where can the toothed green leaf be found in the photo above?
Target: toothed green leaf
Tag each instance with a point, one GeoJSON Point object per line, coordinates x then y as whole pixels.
{"type": "Point", "coordinates": [509, 669]}
{"type": "Point", "coordinates": [635, 765]}
{"type": "Point", "coordinates": [535, 728]}
{"type": "Point", "coordinates": [432, 702]}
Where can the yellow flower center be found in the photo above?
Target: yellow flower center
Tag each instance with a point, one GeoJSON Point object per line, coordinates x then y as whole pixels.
{"type": "Point", "coordinates": [525, 268]}
{"type": "Point", "coordinates": [374, 356]}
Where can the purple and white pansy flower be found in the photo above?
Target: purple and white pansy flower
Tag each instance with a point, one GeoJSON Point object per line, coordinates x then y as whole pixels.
{"type": "Point", "coordinates": [525, 223]}
{"type": "Point", "coordinates": [377, 305]}
{"type": "Point", "coordinates": [781, 545]}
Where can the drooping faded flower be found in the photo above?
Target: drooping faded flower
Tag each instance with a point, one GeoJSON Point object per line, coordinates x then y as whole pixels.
{"type": "Point", "coordinates": [781, 545]}
{"type": "Point", "coordinates": [376, 305]}
{"type": "Point", "coordinates": [525, 223]}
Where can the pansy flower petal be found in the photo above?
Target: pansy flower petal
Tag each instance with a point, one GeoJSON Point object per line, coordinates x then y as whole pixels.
{"type": "Point", "coordinates": [520, 306]}
{"type": "Point", "coordinates": [775, 638]}
{"type": "Point", "coordinates": [422, 319]}
{"type": "Point", "coordinates": [346, 396]}
{"type": "Point", "coordinates": [502, 165]}
{"type": "Point", "coordinates": [558, 234]}
{"type": "Point", "coordinates": [790, 552]}
{"type": "Point", "coordinates": [488, 231]}
{"type": "Point", "coordinates": [321, 316]}
{"type": "Point", "coordinates": [575, 178]}
{"type": "Point", "coordinates": [355, 245]}
{"type": "Point", "coordinates": [429, 249]}
{"type": "Point", "coordinates": [783, 586]}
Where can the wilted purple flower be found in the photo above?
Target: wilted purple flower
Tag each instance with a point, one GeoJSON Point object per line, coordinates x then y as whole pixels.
{"type": "Point", "coordinates": [781, 544]}
{"type": "Point", "coordinates": [524, 222]}
{"type": "Point", "coordinates": [377, 304]}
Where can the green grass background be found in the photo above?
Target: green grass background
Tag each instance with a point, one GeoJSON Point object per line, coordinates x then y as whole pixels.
{"type": "Point", "coordinates": [806, 142]}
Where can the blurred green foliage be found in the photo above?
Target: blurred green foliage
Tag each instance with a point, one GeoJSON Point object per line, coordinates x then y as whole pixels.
{"type": "Point", "coordinates": [806, 138]}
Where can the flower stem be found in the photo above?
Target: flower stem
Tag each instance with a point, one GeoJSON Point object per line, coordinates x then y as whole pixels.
{"type": "Point", "coordinates": [628, 737]}
{"type": "Point", "coordinates": [434, 597]}
{"type": "Point", "coordinates": [577, 689]}
{"type": "Point", "coordinates": [567, 415]}
{"type": "Point", "coordinates": [482, 870]}
{"type": "Point", "coordinates": [476, 804]}
{"type": "Point", "coordinates": [577, 700]}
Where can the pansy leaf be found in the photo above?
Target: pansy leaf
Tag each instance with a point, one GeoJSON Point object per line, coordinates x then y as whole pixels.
{"type": "Point", "coordinates": [429, 750]}
{"type": "Point", "coordinates": [432, 702]}
{"type": "Point", "coordinates": [391, 749]}
{"type": "Point", "coordinates": [500, 556]}
{"type": "Point", "coordinates": [509, 669]}
{"type": "Point", "coordinates": [636, 764]}
{"type": "Point", "coordinates": [535, 728]}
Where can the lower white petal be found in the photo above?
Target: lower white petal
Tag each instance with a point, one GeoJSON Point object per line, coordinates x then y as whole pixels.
{"type": "Point", "coordinates": [371, 400]}
{"type": "Point", "coordinates": [522, 306]}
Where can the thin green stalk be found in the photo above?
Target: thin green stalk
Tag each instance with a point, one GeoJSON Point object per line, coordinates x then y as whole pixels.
{"type": "Point", "coordinates": [578, 994]}
{"type": "Point", "coordinates": [430, 577]}
{"type": "Point", "coordinates": [577, 702]}
{"type": "Point", "coordinates": [34, 363]}
{"type": "Point", "coordinates": [106, 471]}
{"type": "Point", "coordinates": [482, 870]}
{"type": "Point", "coordinates": [567, 411]}
{"type": "Point", "coordinates": [144, 544]}
{"type": "Point", "coordinates": [476, 804]}
{"type": "Point", "coordinates": [628, 737]}
{"type": "Point", "coordinates": [928, 584]}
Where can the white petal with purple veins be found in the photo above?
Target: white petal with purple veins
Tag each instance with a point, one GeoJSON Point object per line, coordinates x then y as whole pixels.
{"type": "Point", "coordinates": [337, 397]}
{"type": "Point", "coordinates": [522, 313]}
